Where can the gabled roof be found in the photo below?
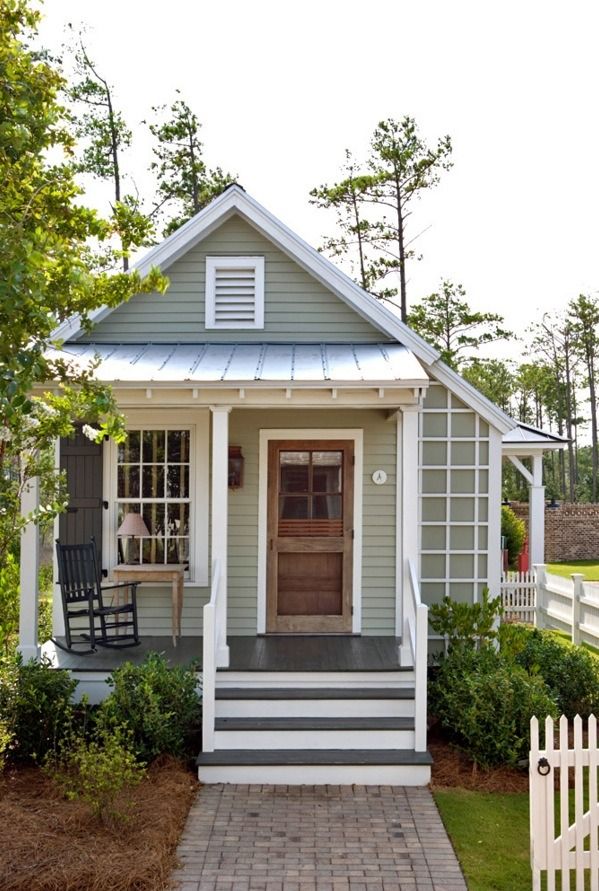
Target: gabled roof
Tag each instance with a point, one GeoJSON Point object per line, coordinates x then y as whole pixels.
{"type": "Point", "coordinates": [235, 200]}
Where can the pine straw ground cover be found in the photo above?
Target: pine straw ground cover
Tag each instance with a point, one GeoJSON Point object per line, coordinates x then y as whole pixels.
{"type": "Point", "coordinates": [50, 844]}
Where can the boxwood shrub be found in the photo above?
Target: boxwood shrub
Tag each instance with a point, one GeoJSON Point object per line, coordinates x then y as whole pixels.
{"type": "Point", "coordinates": [486, 703]}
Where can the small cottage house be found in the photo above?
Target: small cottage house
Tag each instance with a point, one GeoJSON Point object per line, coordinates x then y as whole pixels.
{"type": "Point", "coordinates": [312, 474]}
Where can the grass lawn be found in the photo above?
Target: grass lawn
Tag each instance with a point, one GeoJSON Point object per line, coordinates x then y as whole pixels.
{"type": "Point", "coordinates": [490, 833]}
{"type": "Point", "coordinates": [590, 568]}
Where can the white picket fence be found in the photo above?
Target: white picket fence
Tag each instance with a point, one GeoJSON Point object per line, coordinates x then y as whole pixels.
{"type": "Point", "coordinates": [519, 596]}
{"type": "Point", "coordinates": [569, 605]}
{"type": "Point", "coordinates": [573, 849]}
{"type": "Point", "coordinates": [552, 601]}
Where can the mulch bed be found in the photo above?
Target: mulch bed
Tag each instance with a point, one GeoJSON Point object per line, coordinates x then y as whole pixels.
{"type": "Point", "coordinates": [451, 768]}
{"type": "Point", "coordinates": [50, 844]}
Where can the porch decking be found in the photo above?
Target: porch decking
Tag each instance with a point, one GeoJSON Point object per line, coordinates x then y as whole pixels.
{"type": "Point", "coordinates": [285, 653]}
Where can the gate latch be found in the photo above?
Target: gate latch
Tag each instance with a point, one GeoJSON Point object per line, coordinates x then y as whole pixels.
{"type": "Point", "coordinates": [543, 767]}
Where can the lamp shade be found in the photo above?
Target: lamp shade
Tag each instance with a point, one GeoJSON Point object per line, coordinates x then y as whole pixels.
{"type": "Point", "coordinates": [133, 524]}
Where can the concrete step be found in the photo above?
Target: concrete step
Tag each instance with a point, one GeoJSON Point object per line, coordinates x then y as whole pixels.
{"type": "Point", "coordinates": [316, 766]}
{"type": "Point", "coordinates": [314, 733]}
{"type": "Point", "coordinates": [294, 702]}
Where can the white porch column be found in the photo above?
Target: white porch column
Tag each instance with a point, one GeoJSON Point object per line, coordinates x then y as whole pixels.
{"type": "Point", "coordinates": [536, 513]}
{"type": "Point", "coordinates": [407, 506]}
{"type": "Point", "coordinates": [30, 562]}
{"type": "Point", "coordinates": [220, 523]}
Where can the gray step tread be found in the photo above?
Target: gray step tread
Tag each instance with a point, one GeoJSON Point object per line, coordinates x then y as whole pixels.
{"type": "Point", "coordinates": [233, 757]}
{"type": "Point", "coordinates": [307, 723]}
{"type": "Point", "coordinates": [274, 693]}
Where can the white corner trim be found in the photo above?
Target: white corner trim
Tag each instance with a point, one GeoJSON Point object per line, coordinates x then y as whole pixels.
{"type": "Point", "coordinates": [494, 515]}
{"type": "Point", "coordinates": [266, 435]}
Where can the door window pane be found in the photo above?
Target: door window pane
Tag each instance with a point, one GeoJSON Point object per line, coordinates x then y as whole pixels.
{"type": "Point", "coordinates": [326, 507]}
{"type": "Point", "coordinates": [293, 508]}
{"type": "Point", "coordinates": [326, 472]}
{"type": "Point", "coordinates": [295, 471]}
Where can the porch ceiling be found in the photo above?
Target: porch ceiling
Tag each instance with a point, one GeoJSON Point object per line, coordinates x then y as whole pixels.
{"type": "Point", "coordinates": [257, 364]}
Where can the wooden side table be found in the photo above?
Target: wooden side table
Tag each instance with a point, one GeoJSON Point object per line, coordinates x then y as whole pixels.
{"type": "Point", "coordinates": [157, 572]}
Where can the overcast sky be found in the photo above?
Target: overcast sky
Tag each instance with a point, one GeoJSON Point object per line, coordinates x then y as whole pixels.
{"type": "Point", "coordinates": [283, 88]}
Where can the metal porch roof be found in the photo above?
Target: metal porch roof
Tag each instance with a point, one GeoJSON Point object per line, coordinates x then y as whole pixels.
{"type": "Point", "coordinates": [243, 364]}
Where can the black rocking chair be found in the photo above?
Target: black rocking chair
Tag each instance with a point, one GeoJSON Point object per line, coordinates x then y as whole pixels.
{"type": "Point", "coordinates": [82, 596]}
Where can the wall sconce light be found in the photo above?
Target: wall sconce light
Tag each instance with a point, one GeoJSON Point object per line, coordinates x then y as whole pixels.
{"type": "Point", "coordinates": [235, 467]}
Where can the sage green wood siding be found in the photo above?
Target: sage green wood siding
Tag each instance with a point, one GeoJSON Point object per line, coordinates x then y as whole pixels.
{"type": "Point", "coordinates": [378, 531]}
{"type": "Point", "coordinates": [378, 547]}
{"type": "Point", "coordinates": [456, 499]}
{"type": "Point", "coordinates": [297, 307]}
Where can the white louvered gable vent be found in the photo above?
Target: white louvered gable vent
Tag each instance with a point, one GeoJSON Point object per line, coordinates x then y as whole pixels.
{"type": "Point", "coordinates": [234, 292]}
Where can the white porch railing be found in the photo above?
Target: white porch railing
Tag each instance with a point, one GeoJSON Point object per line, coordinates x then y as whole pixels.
{"type": "Point", "coordinates": [564, 837]}
{"type": "Point", "coordinates": [519, 596]}
{"type": "Point", "coordinates": [414, 651]}
{"type": "Point", "coordinates": [211, 640]}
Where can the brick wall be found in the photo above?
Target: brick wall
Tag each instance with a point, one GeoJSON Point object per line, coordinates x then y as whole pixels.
{"type": "Point", "coordinates": [571, 531]}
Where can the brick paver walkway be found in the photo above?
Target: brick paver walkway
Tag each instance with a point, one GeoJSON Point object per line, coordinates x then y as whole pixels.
{"type": "Point", "coordinates": [295, 838]}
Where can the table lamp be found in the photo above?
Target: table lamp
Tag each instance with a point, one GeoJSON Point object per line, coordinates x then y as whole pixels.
{"type": "Point", "coordinates": [133, 526]}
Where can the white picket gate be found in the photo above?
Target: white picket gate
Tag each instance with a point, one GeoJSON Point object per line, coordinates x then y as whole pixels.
{"type": "Point", "coordinates": [519, 596]}
{"type": "Point", "coordinates": [575, 845]}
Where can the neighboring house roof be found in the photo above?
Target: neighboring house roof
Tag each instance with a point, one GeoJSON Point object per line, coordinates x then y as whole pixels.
{"type": "Point", "coordinates": [388, 364]}
{"type": "Point", "coordinates": [235, 200]}
{"type": "Point", "coordinates": [526, 437]}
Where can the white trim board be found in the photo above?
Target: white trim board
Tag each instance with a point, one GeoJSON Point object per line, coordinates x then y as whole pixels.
{"type": "Point", "coordinates": [355, 434]}
{"type": "Point", "coordinates": [236, 200]}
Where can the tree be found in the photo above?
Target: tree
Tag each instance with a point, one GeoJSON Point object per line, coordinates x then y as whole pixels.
{"type": "Point", "coordinates": [447, 322]}
{"type": "Point", "coordinates": [106, 136]}
{"type": "Point", "coordinates": [46, 276]}
{"type": "Point", "coordinates": [184, 181]}
{"type": "Point", "coordinates": [583, 315]}
{"type": "Point", "coordinates": [554, 344]}
{"type": "Point", "coordinates": [494, 378]}
{"type": "Point", "coordinates": [375, 204]}
{"type": "Point", "coordinates": [347, 198]}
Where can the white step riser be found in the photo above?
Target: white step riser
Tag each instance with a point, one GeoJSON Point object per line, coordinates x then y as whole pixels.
{"type": "Point", "coordinates": [312, 708]}
{"type": "Point", "coordinates": [313, 739]}
{"type": "Point", "coordinates": [314, 680]}
{"type": "Point", "coordinates": [318, 774]}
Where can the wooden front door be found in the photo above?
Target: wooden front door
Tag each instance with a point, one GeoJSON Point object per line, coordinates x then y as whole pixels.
{"type": "Point", "coordinates": [310, 536]}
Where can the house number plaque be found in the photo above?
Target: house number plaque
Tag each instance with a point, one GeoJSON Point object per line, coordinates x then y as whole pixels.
{"type": "Point", "coordinates": [379, 477]}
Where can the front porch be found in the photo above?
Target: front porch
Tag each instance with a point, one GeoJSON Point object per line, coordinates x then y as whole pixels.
{"type": "Point", "coordinates": [324, 653]}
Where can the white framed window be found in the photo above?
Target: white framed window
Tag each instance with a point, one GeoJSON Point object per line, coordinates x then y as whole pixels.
{"type": "Point", "coordinates": [235, 292]}
{"type": "Point", "coordinates": [161, 472]}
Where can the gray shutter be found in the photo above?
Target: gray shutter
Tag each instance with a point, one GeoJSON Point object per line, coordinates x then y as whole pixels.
{"type": "Point", "coordinates": [83, 463]}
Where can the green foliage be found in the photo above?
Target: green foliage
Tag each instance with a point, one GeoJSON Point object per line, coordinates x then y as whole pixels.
{"type": "Point", "coordinates": [447, 322]}
{"type": "Point", "coordinates": [469, 625]}
{"type": "Point", "coordinates": [514, 531]}
{"type": "Point", "coordinates": [9, 602]}
{"type": "Point", "coordinates": [35, 707]}
{"type": "Point", "coordinates": [159, 705]}
{"type": "Point", "coordinates": [486, 703]}
{"type": "Point", "coordinates": [493, 378]}
{"type": "Point", "coordinates": [570, 672]}
{"type": "Point", "coordinates": [185, 184]}
{"type": "Point", "coordinates": [100, 772]}
{"type": "Point", "coordinates": [46, 275]}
